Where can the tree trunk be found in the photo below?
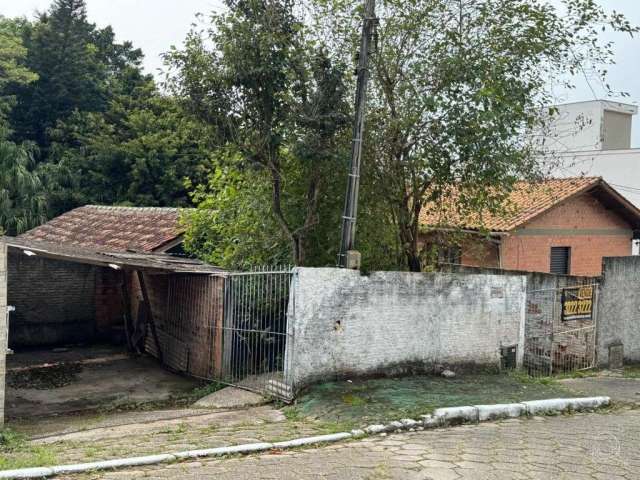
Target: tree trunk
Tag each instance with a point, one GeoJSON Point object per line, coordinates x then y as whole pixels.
{"type": "Point", "coordinates": [413, 262]}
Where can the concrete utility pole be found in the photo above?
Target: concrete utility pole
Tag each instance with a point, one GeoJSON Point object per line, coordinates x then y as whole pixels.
{"type": "Point", "coordinates": [349, 257]}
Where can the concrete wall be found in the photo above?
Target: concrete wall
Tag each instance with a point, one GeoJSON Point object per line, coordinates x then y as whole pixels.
{"type": "Point", "coordinates": [535, 280]}
{"type": "Point", "coordinates": [4, 328]}
{"type": "Point", "coordinates": [591, 125]}
{"type": "Point", "coordinates": [344, 323]}
{"type": "Point", "coordinates": [619, 308]}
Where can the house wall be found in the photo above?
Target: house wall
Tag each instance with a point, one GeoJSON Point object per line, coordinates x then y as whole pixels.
{"type": "Point", "coordinates": [4, 327]}
{"type": "Point", "coordinates": [619, 308]}
{"type": "Point", "coordinates": [344, 323]}
{"type": "Point", "coordinates": [54, 301]}
{"type": "Point", "coordinates": [582, 223]}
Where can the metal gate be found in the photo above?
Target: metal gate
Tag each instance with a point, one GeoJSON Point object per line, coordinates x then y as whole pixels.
{"type": "Point", "coordinates": [560, 330]}
{"type": "Point", "coordinates": [253, 336]}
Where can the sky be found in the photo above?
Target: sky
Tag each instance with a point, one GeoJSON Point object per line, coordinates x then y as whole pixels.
{"type": "Point", "coordinates": [156, 25]}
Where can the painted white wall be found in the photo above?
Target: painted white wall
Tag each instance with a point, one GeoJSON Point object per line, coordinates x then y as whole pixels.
{"type": "Point", "coordinates": [344, 323]}
{"type": "Point", "coordinates": [584, 126]}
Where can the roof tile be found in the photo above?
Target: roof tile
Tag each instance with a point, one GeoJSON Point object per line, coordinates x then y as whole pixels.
{"type": "Point", "coordinates": [114, 229]}
{"type": "Point", "coordinates": [526, 201]}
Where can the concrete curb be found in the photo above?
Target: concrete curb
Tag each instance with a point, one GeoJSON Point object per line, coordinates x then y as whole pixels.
{"type": "Point", "coordinates": [441, 417]}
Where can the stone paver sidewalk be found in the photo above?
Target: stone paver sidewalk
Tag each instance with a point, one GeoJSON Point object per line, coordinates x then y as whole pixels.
{"type": "Point", "coordinates": [160, 434]}
{"type": "Point", "coordinates": [585, 446]}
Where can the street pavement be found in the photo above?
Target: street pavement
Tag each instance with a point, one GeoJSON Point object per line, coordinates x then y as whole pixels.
{"type": "Point", "coordinates": [582, 446]}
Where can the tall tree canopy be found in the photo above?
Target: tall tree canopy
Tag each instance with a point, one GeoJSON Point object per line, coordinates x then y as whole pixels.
{"type": "Point", "coordinates": [458, 89]}
{"type": "Point", "coordinates": [277, 105]}
{"type": "Point", "coordinates": [79, 68]}
{"type": "Point", "coordinates": [23, 204]}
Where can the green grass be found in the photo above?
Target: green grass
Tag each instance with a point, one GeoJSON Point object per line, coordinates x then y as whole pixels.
{"type": "Point", "coordinates": [362, 402]}
{"type": "Point", "coordinates": [16, 452]}
{"type": "Point", "coordinates": [631, 371]}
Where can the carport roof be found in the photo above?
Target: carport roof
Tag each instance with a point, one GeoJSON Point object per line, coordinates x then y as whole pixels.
{"type": "Point", "coordinates": [158, 262]}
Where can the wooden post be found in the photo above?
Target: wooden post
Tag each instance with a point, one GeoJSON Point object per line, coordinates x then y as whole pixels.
{"type": "Point", "coordinates": [126, 311]}
{"type": "Point", "coordinates": [147, 303]}
{"type": "Point", "coordinates": [219, 286]}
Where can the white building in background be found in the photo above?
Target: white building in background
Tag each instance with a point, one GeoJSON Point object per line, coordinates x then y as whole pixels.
{"type": "Point", "coordinates": [594, 139]}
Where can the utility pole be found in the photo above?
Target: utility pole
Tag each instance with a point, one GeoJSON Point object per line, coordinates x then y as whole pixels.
{"type": "Point", "coordinates": [349, 257]}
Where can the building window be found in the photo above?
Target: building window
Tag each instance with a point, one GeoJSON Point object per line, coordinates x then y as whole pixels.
{"type": "Point", "coordinates": [561, 260]}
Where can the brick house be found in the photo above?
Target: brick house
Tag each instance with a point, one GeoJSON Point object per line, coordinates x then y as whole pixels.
{"type": "Point", "coordinates": [62, 301]}
{"type": "Point", "coordinates": [562, 226]}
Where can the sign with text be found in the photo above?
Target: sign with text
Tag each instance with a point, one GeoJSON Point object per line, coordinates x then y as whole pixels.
{"type": "Point", "coordinates": [577, 303]}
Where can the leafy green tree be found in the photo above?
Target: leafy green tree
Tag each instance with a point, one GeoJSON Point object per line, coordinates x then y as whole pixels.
{"type": "Point", "coordinates": [12, 72]}
{"type": "Point", "coordinates": [23, 203]}
{"type": "Point", "coordinates": [458, 87]}
{"type": "Point", "coordinates": [79, 68]}
{"type": "Point", "coordinates": [139, 151]}
{"type": "Point", "coordinates": [276, 101]}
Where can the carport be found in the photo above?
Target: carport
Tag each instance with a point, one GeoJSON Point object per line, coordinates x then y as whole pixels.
{"type": "Point", "coordinates": [116, 325]}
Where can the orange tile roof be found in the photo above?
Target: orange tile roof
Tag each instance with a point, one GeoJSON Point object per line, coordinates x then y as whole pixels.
{"type": "Point", "coordinates": [111, 229]}
{"type": "Point", "coordinates": [525, 202]}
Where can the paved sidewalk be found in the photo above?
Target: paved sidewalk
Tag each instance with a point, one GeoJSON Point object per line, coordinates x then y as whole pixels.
{"type": "Point", "coordinates": [626, 390]}
{"type": "Point", "coordinates": [584, 446]}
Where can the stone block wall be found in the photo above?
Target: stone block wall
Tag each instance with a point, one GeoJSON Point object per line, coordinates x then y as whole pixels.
{"type": "Point", "coordinates": [343, 323]}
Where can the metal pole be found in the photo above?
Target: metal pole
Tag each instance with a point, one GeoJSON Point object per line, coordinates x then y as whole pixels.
{"type": "Point", "coordinates": [347, 245]}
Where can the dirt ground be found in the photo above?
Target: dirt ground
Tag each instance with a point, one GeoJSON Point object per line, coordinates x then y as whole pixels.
{"type": "Point", "coordinates": [87, 378]}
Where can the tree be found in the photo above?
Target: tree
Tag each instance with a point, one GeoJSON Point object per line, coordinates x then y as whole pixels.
{"type": "Point", "coordinates": [139, 151]}
{"type": "Point", "coordinates": [22, 201]}
{"type": "Point", "coordinates": [276, 101]}
{"type": "Point", "coordinates": [12, 72]}
{"type": "Point", "coordinates": [458, 87]}
{"type": "Point", "coordinates": [79, 67]}
{"type": "Point", "coordinates": [23, 204]}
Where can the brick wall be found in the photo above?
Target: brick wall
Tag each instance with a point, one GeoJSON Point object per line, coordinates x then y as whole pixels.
{"type": "Point", "coordinates": [3, 324]}
{"type": "Point", "coordinates": [54, 300]}
{"type": "Point", "coordinates": [605, 234]}
{"type": "Point", "coordinates": [583, 223]}
{"type": "Point", "coordinates": [109, 304]}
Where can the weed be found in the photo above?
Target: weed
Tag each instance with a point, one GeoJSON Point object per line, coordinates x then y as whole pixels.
{"type": "Point", "coordinates": [205, 390]}
{"type": "Point", "coordinates": [523, 377]}
{"type": "Point", "coordinates": [16, 452]}
{"type": "Point", "coordinates": [354, 400]}
{"type": "Point", "coordinates": [631, 371]}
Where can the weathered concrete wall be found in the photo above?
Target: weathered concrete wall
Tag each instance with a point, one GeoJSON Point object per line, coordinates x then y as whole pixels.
{"type": "Point", "coordinates": [619, 308]}
{"type": "Point", "coordinates": [344, 323]}
{"type": "Point", "coordinates": [535, 280]}
{"type": "Point", "coordinates": [4, 327]}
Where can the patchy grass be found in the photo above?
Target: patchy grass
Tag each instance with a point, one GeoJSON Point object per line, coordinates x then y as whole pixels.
{"type": "Point", "coordinates": [361, 402]}
{"type": "Point", "coordinates": [631, 371]}
{"type": "Point", "coordinates": [16, 452]}
{"type": "Point", "coordinates": [204, 390]}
